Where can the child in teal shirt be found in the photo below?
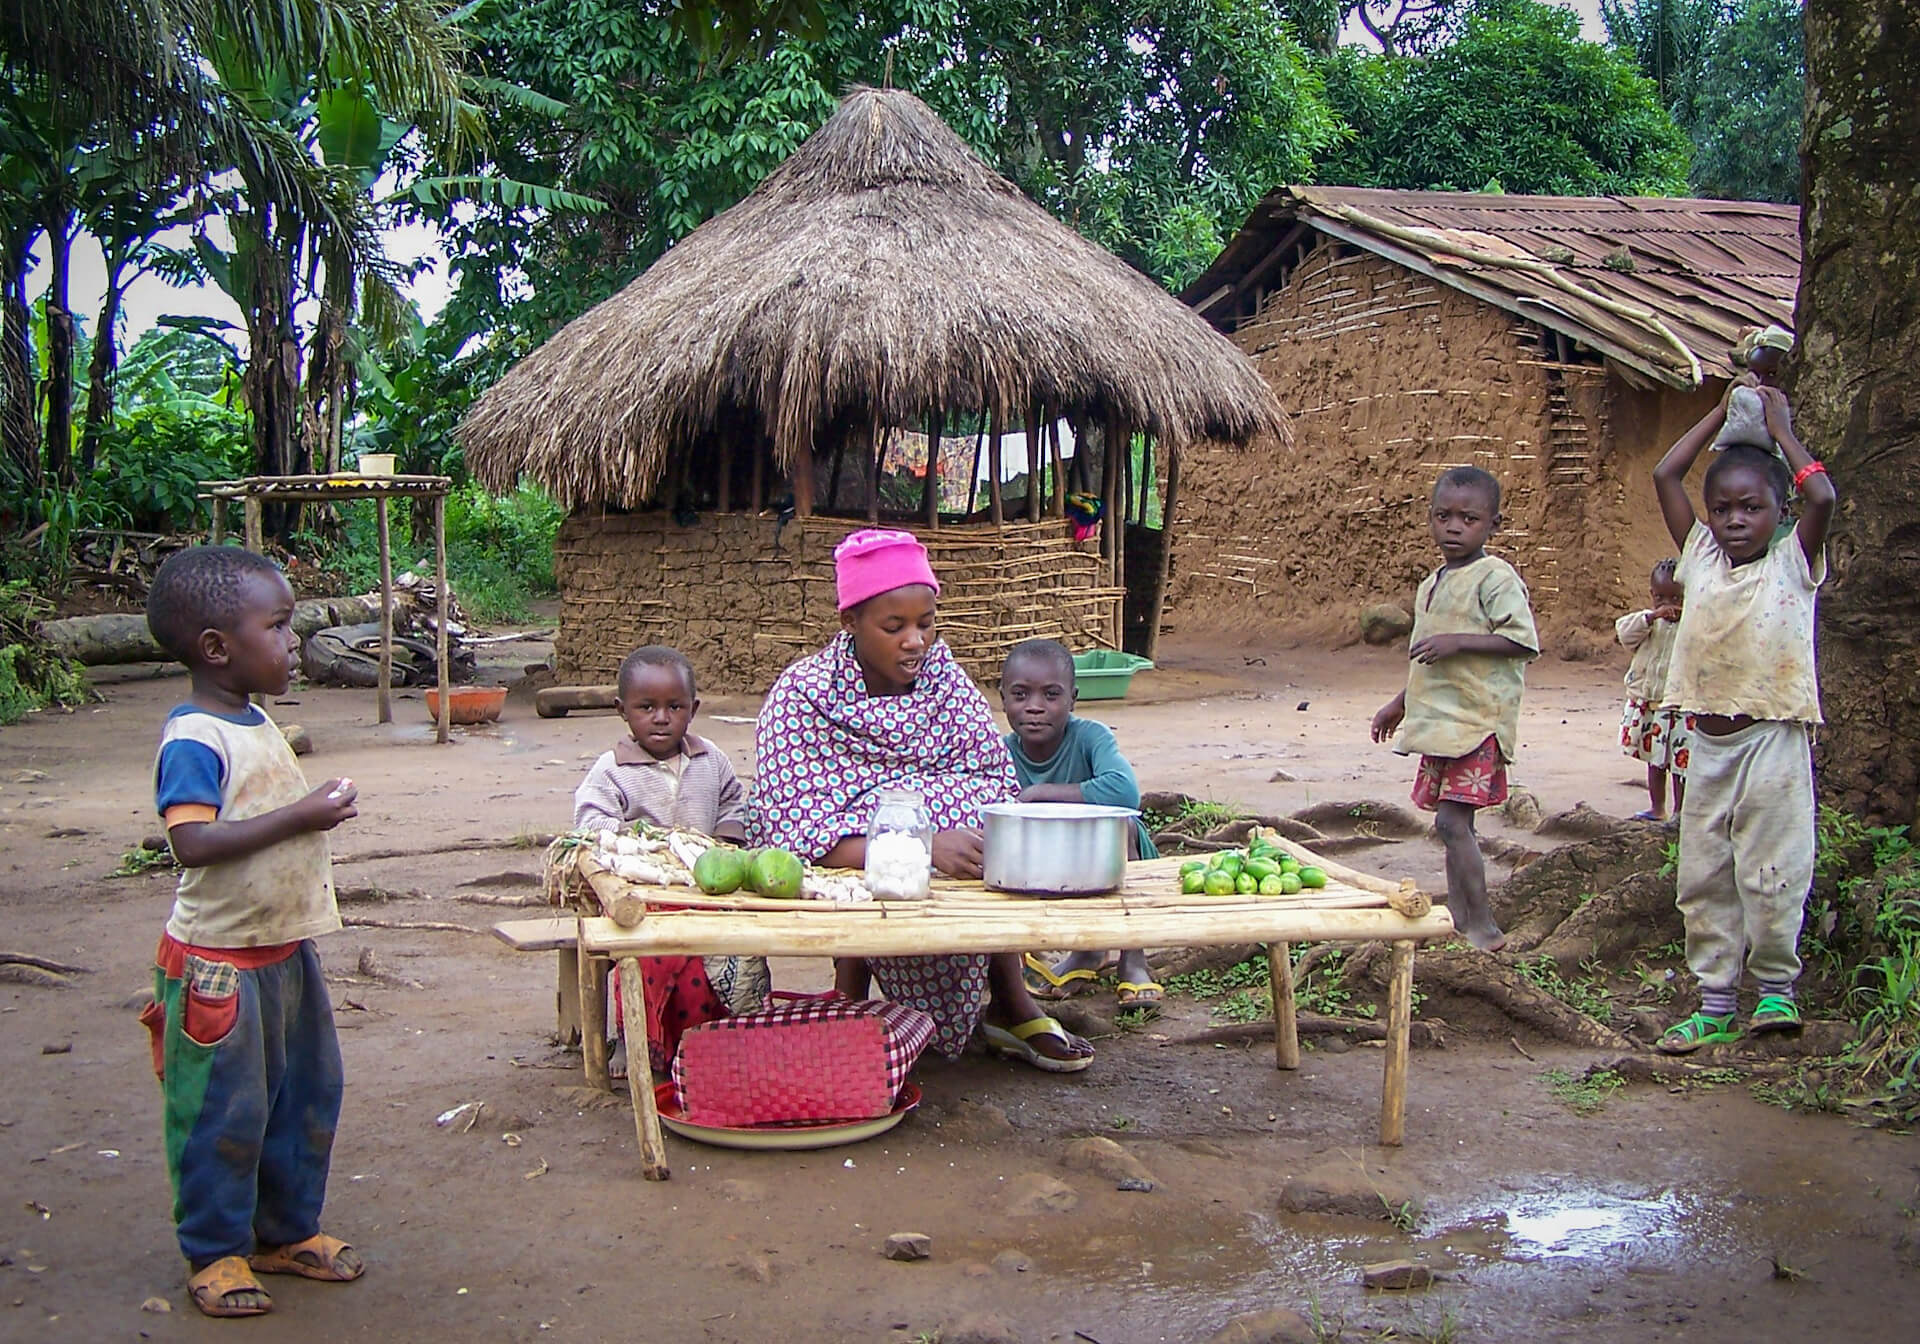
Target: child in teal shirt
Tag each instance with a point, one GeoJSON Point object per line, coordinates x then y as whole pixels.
{"type": "Point", "coordinates": [1063, 759]}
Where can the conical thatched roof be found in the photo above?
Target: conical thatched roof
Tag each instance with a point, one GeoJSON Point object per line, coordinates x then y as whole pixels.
{"type": "Point", "coordinates": [881, 272]}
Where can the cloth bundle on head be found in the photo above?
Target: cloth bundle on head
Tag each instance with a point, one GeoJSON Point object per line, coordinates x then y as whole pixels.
{"type": "Point", "coordinates": [1746, 412]}
{"type": "Point", "coordinates": [873, 561]}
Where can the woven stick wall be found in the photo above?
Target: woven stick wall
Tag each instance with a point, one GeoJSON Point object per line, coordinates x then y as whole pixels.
{"type": "Point", "coordinates": [741, 610]}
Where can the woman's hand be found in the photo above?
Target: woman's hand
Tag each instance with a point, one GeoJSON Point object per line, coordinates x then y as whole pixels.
{"type": "Point", "coordinates": [961, 852]}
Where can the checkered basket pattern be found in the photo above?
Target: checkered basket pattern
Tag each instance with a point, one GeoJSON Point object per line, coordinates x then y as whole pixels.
{"type": "Point", "coordinates": [802, 1059]}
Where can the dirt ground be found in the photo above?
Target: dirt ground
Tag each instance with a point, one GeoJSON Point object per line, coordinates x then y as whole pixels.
{"type": "Point", "coordinates": [1662, 1216]}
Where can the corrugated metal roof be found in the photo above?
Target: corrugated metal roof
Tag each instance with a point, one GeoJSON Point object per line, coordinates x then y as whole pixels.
{"type": "Point", "coordinates": [1702, 271]}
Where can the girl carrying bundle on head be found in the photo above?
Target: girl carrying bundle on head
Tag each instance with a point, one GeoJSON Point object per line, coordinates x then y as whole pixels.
{"type": "Point", "coordinates": [1743, 670]}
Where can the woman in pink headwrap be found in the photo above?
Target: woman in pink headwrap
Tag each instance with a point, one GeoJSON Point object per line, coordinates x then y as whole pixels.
{"type": "Point", "coordinates": [885, 705]}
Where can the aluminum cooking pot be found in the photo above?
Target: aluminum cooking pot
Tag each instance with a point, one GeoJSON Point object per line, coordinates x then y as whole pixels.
{"type": "Point", "coordinates": [1056, 849]}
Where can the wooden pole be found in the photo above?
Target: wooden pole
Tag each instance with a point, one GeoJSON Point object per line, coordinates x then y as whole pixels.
{"type": "Point", "coordinates": [723, 493]}
{"type": "Point", "coordinates": [1286, 1025]}
{"type": "Point", "coordinates": [833, 476]}
{"type": "Point", "coordinates": [566, 998]}
{"type": "Point", "coordinates": [1034, 469]}
{"type": "Point", "coordinates": [875, 445]}
{"type": "Point", "coordinates": [1146, 478]}
{"type": "Point", "coordinates": [994, 502]}
{"type": "Point", "coordinates": [593, 1021]}
{"type": "Point", "coordinates": [256, 542]}
{"type": "Point", "coordinates": [1054, 452]}
{"type": "Point", "coordinates": [1122, 437]}
{"type": "Point", "coordinates": [1159, 606]}
{"type": "Point", "coordinates": [930, 497]}
{"type": "Point", "coordinates": [973, 475]}
{"type": "Point", "coordinates": [1106, 495]}
{"type": "Point", "coordinates": [803, 481]}
{"type": "Point", "coordinates": [646, 1115]}
{"type": "Point", "coordinates": [1126, 479]}
{"type": "Point", "coordinates": [761, 448]}
{"type": "Point", "coordinates": [219, 508]}
{"type": "Point", "coordinates": [1393, 1095]}
{"type": "Point", "coordinates": [382, 706]}
{"type": "Point", "coordinates": [445, 717]}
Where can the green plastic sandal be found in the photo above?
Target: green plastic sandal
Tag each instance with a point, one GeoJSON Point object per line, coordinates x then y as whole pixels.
{"type": "Point", "coordinates": [1775, 1012]}
{"type": "Point", "coordinates": [1689, 1034]}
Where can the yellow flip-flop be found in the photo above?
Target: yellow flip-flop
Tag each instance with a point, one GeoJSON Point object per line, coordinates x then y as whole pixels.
{"type": "Point", "coordinates": [1140, 994]}
{"type": "Point", "coordinates": [1017, 1043]}
{"type": "Point", "coordinates": [1053, 988]}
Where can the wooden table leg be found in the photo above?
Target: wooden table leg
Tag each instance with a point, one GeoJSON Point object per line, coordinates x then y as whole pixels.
{"type": "Point", "coordinates": [566, 998]}
{"type": "Point", "coordinates": [1393, 1096]}
{"type": "Point", "coordinates": [593, 1020]}
{"type": "Point", "coordinates": [1286, 1032]}
{"type": "Point", "coordinates": [646, 1116]}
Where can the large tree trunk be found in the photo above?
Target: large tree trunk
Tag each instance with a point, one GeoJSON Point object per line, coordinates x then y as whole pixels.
{"type": "Point", "coordinates": [19, 421]}
{"type": "Point", "coordinates": [1855, 393]}
{"type": "Point", "coordinates": [59, 379]}
{"type": "Point", "coordinates": [100, 374]}
{"type": "Point", "coordinates": [272, 379]}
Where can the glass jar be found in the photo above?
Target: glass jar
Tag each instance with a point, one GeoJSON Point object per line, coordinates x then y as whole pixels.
{"type": "Point", "coordinates": [900, 847]}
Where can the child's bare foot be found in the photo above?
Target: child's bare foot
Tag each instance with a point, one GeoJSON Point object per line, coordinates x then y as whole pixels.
{"type": "Point", "coordinates": [1485, 936]}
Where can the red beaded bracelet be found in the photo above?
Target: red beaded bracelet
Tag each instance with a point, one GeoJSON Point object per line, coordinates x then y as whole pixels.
{"type": "Point", "coordinates": [1815, 467]}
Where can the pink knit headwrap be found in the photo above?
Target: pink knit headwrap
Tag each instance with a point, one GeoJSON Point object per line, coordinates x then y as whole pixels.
{"type": "Point", "coordinates": [874, 561]}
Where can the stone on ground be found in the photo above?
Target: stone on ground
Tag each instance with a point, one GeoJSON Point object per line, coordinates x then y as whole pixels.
{"type": "Point", "coordinates": [1103, 1157]}
{"type": "Point", "coordinates": [1278, 1326]}
{"type": "Point", "coordinates": [1035, 1192]}
{"type": "Point", "coordinates": [1396, 1274]}
{"type": "Point", "coordinates": [1343, 1185]}
{"type": "Point", "coordinates": [907, 1246]}
{"type": "Point", "coordinates": [980, 1328]}
{"type": "Point", "coordinates": [1383, 622]}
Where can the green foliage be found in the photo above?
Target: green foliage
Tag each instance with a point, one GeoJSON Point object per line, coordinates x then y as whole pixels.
{"type": "Point", "coordinates": [141, 860]}
{"type": "Point", "coordinates": [1516, 97]}
{"type": "Point", "coordinates": [1733, 74]}
{"type": "Point", "coordinates": [1587, 993]}
{"type": "Point", "coordinates": [1583, 1094]}
{"type": "Point", "coordinates": [499, 550]}
{"type": "Point", "coordinates": [32, 676]}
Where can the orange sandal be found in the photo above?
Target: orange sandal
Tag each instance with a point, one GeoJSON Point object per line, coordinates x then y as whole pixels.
{"type": "Point", "coordinates": [318, 1257]}
{"type": "Point", "coordinates": [212, 1286]}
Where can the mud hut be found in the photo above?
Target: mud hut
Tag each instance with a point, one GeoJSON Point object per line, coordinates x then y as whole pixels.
{"type": "Point", "coordinates": [719, 425]}
{"type": "Point", "coordinates": [1561, 343]}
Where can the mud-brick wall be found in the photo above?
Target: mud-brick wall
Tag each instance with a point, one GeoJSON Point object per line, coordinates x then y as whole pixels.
{"type": "Point", "coordinates": [742, 607]}
{"type": "Point", "coordinates": [1390, 378]}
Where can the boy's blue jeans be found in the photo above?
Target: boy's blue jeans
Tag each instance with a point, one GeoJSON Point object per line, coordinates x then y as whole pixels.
{"type": "Point", "coordinates": [251, 1107]}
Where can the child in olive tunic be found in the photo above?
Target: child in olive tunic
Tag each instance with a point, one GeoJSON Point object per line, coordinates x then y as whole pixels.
{"type": "Point", "coordinates": [1472, 637]}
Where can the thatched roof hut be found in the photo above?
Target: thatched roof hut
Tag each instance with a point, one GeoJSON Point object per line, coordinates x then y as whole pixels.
{"type": "Point", "coordinates": [881, 273]}
{"type": "Point", "coordinates": [882, 278]}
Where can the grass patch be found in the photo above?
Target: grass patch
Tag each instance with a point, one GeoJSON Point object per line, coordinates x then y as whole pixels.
{"type": "Point", "coordinates": [1583, 1094]}
{"type": "Point", "coordinates": [1194, 817]}
{"type": "Point", "coordinates": [1588, 993]}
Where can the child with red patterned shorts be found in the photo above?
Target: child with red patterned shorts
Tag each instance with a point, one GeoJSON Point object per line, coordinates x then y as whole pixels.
{"type": "Point", "coordinates": [1473, 634]}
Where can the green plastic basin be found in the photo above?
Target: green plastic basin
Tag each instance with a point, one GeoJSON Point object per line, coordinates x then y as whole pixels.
{"type": "Point", "coordinates": [1104, 674]}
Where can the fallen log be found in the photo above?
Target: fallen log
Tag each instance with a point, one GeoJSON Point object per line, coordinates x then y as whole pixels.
{"type": "Point", "coordinates": [555, 701]}
{"type": "Point", "coordinates": [122, 636]}
{"type": "Point", "coordinates": [1423, 1035]}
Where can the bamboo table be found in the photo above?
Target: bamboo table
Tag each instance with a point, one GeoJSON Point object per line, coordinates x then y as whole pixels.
{"type": "Point", "coordinates": [255, 491]}
{"type": "Point", "coordinates": [964, 917]}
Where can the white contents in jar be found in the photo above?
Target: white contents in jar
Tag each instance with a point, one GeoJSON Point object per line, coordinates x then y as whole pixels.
{"type": "Point", "coordinates": [899, 866]}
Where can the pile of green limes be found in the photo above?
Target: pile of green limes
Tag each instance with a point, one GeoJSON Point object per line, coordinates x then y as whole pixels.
{"type": "Point", "coordinates": [1261, 868]}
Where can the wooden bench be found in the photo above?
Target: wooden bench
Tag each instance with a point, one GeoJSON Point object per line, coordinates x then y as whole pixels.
{"type": "Point", "coordinates": [559, 934]}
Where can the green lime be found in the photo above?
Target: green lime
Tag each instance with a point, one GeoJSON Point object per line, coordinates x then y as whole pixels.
{"type": "Point", "coordinates": [777, 875]}
{"type": "Point", "coordinates": [1289, 864]}
{"type": "Point", "coordinates": [1193, 883]}
{"type": "Point", "coordinates": [1218, 883]}
{"type": "Point", "coordinates": [1289, 884]}
{"type": "Point", "coordinates": [1273, 885]}
{"type": "Point", "coordinates": [1193, 866]}
{"type": "Point", "coordinates": [1312, 877]}
{"type": "Point", "coordinates": [1246, 884]}
{"type": "Point", "coordinates": [721, 869]}
{"type": "Point", "coordinates": [1231, 862]}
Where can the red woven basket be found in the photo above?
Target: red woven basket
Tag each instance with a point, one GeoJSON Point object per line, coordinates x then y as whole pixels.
{"type": "Point", "coordinates": [806, 1059]}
